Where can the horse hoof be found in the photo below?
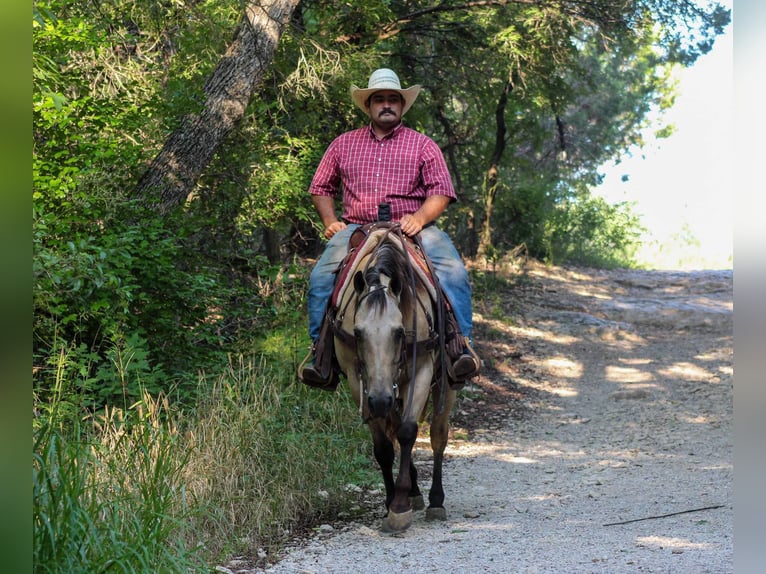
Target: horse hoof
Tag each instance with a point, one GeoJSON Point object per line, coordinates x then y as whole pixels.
{"type": "Point", "coordinates": [436, 513]}
{"type": "Point", "coordinates": [397, 522]}
{"type": "Point", "coordinates": [416, 502]}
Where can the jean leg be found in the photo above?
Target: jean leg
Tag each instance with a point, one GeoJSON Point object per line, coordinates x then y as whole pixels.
{"type": "Point", "coordinates": [322, 278]}
{"type": "Point", "coordinates": [452, 275]}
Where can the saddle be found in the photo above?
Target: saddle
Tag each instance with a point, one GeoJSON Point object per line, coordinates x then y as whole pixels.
{"type": "Point", "coordinates": [362, 242]}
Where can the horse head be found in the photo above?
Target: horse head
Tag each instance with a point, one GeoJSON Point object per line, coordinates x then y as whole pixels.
{"type": "Point", "coordinates": [379, 331]}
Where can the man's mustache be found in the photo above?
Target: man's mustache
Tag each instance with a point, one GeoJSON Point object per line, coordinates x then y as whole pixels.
{"type": "Point", "coordinates": [386, 111]}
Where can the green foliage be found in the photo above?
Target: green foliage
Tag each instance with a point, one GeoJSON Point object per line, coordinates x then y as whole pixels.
{"type": "Point", "coordinates": [111, 498]}
{"type": "Point", "coordinates": [149, 488]}
{"type": "Point", "coordinates": [128, 302]}
{"type": "Point", "coordinates": [593, 233]}
{"type": "Point", "coordinates": [121, 298]}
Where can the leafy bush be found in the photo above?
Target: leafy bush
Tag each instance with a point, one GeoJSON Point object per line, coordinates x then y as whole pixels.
{"type": "Point", "coordinates": [121, 298]}
{"type": "Point", "coordinates": [593, 233]}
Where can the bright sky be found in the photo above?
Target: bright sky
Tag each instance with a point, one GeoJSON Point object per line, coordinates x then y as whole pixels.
{"type": "Point", "coordinates": [683, 185]}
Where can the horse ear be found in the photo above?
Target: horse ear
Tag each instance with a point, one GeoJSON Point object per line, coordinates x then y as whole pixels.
{"type": "Point", "coordinates": [359, 281]}
{"type": "Point", "coordinates": [396, 286]}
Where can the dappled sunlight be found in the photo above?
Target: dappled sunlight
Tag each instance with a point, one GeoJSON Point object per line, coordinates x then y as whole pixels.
{"type": "Point", "coordinates": [563, 367]}
{"type": "Point", "coordinates": [726, 306]}
{"type": "Point", "coordinates": [636, 361]}
{"type": "Point", "coordinates": [539, 497]}
{"type": "Point", "coordinates": [718, 354]}
{"type": "Point", "coordinates": [713, 420]}
{"type": "Point", "coordinates": [548, 336]}
{"type": "Point", "coordinates": [672, 543]}
{"type": "Point", "coordinates": [616, 374]}
{"type": "Point", "coordinates": [547, 387]}
{"type": "Point", "coordinates": [559, 274]}
{"type": "Point", "coordinates": [686, 371]}
{"type": "Point", "coordinates": [505, 453]}
{"type": "Point", "coordinates": [513, 459]}
{"type": "Point", "coordinates": [697, 420]}
{"type": "Point", "coordinates": [588, 291]}
{"type": "Point", "coordinates": [717, 467]}
{"type": "Point", "coordinates": [497, 451]}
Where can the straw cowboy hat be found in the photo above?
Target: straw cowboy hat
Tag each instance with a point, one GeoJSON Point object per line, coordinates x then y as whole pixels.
{"type": "Point", "coordinates": [384, 79]}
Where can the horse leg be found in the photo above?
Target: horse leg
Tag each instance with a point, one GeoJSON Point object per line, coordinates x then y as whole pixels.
{"type": "Point", "coordinates": [439, 435]}
{"type": "Point", "coordinates": [415, 496]}
{"type": "Point", "coordinates": [383, 449]}
{"type": "Point", "coordinates": [399, 511]}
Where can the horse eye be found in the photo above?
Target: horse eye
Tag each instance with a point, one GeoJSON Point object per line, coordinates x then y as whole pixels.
{"type": "Point", "coordinates": [399, 333]}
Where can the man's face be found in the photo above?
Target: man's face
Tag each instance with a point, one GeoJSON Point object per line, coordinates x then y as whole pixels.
{"type": "Point", "coordinates": [385, 108]}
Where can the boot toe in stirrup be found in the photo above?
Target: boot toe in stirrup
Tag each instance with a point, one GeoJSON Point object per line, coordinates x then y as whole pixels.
{"type": "Point", "coordinates": [310, 376]}
{"type": "Point", "coordinates": [465, 367]}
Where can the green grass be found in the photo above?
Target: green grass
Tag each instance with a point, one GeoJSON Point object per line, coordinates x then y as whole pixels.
{"type": "Point", "coordinates": [109, 498]}
{"type": "Point", "coordinates": [152, 489]}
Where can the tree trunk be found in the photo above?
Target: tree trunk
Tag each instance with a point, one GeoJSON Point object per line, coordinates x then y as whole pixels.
{"type": "Point", "coordinates": [190, 148]}
{"type": "Point", "coordinates": [491, 178]}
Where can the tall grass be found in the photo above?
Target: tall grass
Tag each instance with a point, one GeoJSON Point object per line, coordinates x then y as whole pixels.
{"type": "Point", "coordinates": [264, 449]}
{"type": "Point", "coordinates": [107, 491]}
{"type": "Point", "coordinates": [148, 488]}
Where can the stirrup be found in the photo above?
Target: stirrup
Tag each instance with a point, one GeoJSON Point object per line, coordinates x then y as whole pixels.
{"type": "Point", "coordinates": [309, 375]}
{"type": "Point", "coordinates": [464, 367]}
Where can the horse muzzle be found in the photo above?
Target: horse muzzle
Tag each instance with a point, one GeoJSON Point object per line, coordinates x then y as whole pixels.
{"type": "Point", "coordinates": [380, 404]}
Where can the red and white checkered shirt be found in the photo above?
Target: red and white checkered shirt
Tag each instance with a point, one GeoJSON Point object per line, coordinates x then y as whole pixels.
{"type": "Point", "coordinates": [403, 169]}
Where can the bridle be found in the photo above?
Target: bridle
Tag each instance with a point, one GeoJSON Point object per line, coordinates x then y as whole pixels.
{"type": "Point", "coordinates": [408, 342]}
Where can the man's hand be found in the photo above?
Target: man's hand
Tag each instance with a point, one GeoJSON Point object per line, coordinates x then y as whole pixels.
{"type": "Point", "coordinates": [410, 225]}
{"type": "Point", "coordinates": [325, 206]}
{"type": "Point", "coordinates": [432, 207]}
{"type": "Point", "coordinates": [333, 228]}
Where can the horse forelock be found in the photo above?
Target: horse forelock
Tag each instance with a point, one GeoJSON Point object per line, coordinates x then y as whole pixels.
{"type": "Point", "coordinates": [377, 299]}
{"type": "Point", "coordinates": [393, 263]}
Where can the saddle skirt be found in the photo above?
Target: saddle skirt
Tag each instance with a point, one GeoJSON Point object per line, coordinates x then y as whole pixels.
{"type": "Point", "coordinates": [369, 242]}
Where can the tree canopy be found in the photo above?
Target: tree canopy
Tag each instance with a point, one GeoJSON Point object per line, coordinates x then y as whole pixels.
{"type": "Point", "coordinates": [174, 141]}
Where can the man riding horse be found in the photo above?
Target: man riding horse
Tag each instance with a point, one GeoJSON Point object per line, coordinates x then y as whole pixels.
{"type": "Point", "coordinates": [386, 163]}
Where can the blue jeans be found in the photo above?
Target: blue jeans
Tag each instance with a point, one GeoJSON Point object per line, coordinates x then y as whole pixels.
{"type": "Point", "coordinates": [447, 264]}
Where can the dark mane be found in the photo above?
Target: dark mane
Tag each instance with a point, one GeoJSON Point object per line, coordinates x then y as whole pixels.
{"type": "Point", "coordinates": [391, 262]}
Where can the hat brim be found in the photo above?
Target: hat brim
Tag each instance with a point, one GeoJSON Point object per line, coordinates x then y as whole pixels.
{"type": "Point", "coordinates": [360, 96]}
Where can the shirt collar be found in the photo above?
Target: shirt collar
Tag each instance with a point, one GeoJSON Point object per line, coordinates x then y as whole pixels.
{"type": "Point", "coordinates": [390, 135]}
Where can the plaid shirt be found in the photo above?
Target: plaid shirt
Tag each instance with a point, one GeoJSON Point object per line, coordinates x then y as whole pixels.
{"type": "Point", "coordinates": [403, 169]}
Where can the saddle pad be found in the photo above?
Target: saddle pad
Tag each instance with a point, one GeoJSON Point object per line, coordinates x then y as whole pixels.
{"type": "Point", "coordinates": [349, 265]}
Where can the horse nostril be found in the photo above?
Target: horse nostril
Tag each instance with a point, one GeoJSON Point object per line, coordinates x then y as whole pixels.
{"type": "Point", "coordinates": [380, 406]}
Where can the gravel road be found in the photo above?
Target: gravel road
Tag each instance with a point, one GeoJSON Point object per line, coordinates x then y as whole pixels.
{"type": "Point", "coordinates": [597, 440]}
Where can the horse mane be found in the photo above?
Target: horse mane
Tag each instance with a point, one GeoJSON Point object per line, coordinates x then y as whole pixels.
{"type": "Point", "coordinates": [393, 263]}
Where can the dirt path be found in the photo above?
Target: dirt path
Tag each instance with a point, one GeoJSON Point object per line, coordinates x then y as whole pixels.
{"type": "Point", "coordinates": [607, 398]}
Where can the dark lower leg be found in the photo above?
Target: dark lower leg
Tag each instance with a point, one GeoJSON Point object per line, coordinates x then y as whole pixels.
{"type": "Point", "coordinates": [414, 488]}
{"type": "Point", "coordinates": [407, 434]}
{"type": "Point", "coordinates": [383, 449]}
{"type": "Point", "coordinates": [439, 436]}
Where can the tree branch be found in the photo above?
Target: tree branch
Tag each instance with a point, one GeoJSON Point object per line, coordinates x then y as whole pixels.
{"type": "Point", "coordinates": [665, 515]}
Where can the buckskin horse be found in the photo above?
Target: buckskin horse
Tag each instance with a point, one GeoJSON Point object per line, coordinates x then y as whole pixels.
{"type": "Point", "coordinates": [388, 344]}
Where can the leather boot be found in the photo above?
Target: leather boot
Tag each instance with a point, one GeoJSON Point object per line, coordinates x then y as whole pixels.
{"type": "Point", "coordinates": [464, 367]}
{"type": "Point", "coordinates": [310, 375]}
